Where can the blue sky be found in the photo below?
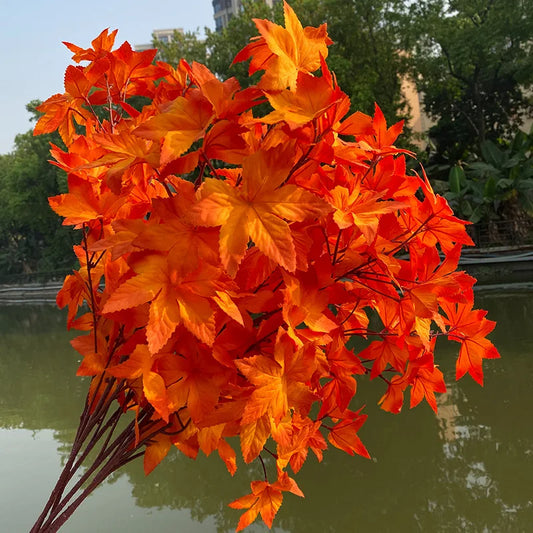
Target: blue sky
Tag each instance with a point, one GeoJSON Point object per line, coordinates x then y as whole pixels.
{"type": "Point", "coordinates": [33, 58]}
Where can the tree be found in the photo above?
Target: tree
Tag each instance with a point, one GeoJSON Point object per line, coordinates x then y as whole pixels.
{"type": "Point", "coordinates": [473, 63]}
{"type": "Point", "coordinates": [32, 238]}
{"type": "Point", "coordinates": [230, 265]}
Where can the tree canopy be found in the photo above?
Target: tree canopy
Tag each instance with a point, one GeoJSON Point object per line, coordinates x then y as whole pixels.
{"type": "Point", "coordinates": [473, 62]}
{"type": "Point", "coordinates": [31, 237]}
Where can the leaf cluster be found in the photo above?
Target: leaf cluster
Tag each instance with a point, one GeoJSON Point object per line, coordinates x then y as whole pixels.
{"type": "Point", "coordinates": [364, 55]}
{"type": "Point", "coordinates": [230, 256]}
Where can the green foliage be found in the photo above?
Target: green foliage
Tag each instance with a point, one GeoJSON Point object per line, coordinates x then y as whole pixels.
{"type": "Point", "coordinates": [31, 235]}
{"type": "Point", "coordinates": [496, 185]}
{"type": "Point", "coordinates": [183, 45]}
{"type": "Point", "coordinates": [472, 61]}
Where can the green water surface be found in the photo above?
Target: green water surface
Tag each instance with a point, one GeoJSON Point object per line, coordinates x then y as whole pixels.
{"type": "Point", "coordinates": [468, 469]}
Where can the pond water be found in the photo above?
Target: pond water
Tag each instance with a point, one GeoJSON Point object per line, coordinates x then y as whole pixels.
{"type": "Point", "coordinates": [468, 469]}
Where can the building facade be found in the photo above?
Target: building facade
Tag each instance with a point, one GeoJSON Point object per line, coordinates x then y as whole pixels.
{"type": "Point", "coordinates": [164, 36]}
{"type": "Point", "coordinates": [224, 10]}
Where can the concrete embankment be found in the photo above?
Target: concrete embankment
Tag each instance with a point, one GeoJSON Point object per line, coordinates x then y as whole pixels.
{"type": "Point", "coordinates": [29, 293]}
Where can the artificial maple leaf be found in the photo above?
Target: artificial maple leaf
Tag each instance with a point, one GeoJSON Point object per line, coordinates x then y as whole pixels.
{"type": "Point", "coordinates": [227, 99]}
{"type": "Point", "coordinates": [361, 208]}
{"type": "Point", "coordinates": [259, 209]}
{"type": "Point", "coordinates": [124, 151]}
{"type": "Point", "coordinates": [253, 437]}
{"type": "Point", "coordinates": [177, 127]}
{"type": "Point", "coordinates": [194, 379]}
{"type": "Point", "coordinates": [389, 350]}
{"type": "Point", "coordinates": [171, 229]}
{"type": "Point", "coordinates": [139, 365]}
{"type": "Point", "coordinates": [174, 299]}
{"type": "Point", "coordinates": [93, 362]}
{"type": "Point", "coordinates": [265, 498]}
{"type": "Point", "coordinates": [470, 328]}
{"type": "Point", "coordinates": [433, 280]}
{"type": "Point", "coordinates": [209, 437]}
{"type": "Point", "coordinates": [62, 111]}
{"type": "Point", "coordinates": [100, 47]}
{"type": "Point", "coordinates": [227, 454]}
{"type": "Point", "coordinates": [121, 241]}
{"type": "Point", "coordinates": [305, 302]}
{"type": "Point", "coordinates": [225, 142]}
{"type": "Point", "coordinates": [372, 133]}
{"type": "Point", "coordinates": [82, 203]}
{"type": "Point", "coordinates": [131, 73]}
{"type": "Point", "coordinates": [392, 400]}
{"type": "Point", "coordinates": [156, 450]}
{"type": "Point", "coordinates": [433, 221]}
{"type": "Point", "coordinates": [309, 100]}
{"type": "Point", "coordinates": [279, 382]}
{"type": "Point", "coordinates": [284, 52]}
{"type": "Point", "coordinates": [389, 176]}
{"type": "Point", "coordinates": [343, 435]}
{"type": "Point", "coordinates": [426, 381]}
{"type": "Point", "coordinates": [341, 386]}
{"type": "Point", "coordinates": [302, 435]}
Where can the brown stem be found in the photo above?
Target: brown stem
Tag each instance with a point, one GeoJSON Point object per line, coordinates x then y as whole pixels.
{"type": "Point", "coordinates": [96, 429]}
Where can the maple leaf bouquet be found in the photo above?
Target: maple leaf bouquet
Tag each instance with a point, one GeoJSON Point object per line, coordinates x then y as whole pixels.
{"type": "Point", "coordinates": [227, 259]}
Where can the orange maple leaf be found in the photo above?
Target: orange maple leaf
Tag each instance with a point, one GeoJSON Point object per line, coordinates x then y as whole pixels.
{"type": "Point", "coordinates": [123, 151]}
{"type": "Point", "coordinates": [226, 97]}
{"type": "Point", "coordinates": [433, 221]}
{"type": "Point", "coordinates": [139, 365]}
{"type": "Point", "coordinates": [302, 434]}
{"type": "Point", "coordinates": [253, 437]}
{"type": "Point", "coordinates": [184, 121]}
{"type": "Point", "coordinates": [343, 435]}
{"type": "Point", "coordinates": [175, 299]}
{"type": "Point", "coordinates": [195, 379]}
{"type": "Point", "coordinates": [372, 133]}
{"type": "Point", "coordinates": [361, 208]}
{"type": "Point", "coordinates": [265, 498]}
{"type": "Point", "coordinates": [156, 451]}
{"type": "Point", "coordinates": [60, 111]}
{"type": "Point", "coordinates": [470, 328]}
{"type": "Point", "coordinates": [312, 96]}
{"type": "Point", "coordinates": [260, 209]}
{"type": "Point", "coordinates": [280, 382]}
{"type": "Point", "coordinates": [171, 229]}
{"type": "Point", "coordinates": [426, 380]}
{"type": "Point", "coordinates": [284, 52]}
{"type": "Point", "coordinates": [100, 47]}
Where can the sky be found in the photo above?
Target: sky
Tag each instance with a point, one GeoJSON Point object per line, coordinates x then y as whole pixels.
{"type": "Point", "coordinates": [33, 57]}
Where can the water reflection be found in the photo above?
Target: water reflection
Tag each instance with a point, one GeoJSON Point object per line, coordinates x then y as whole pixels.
{"type": "Point", "coordinates": [468, 469]}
